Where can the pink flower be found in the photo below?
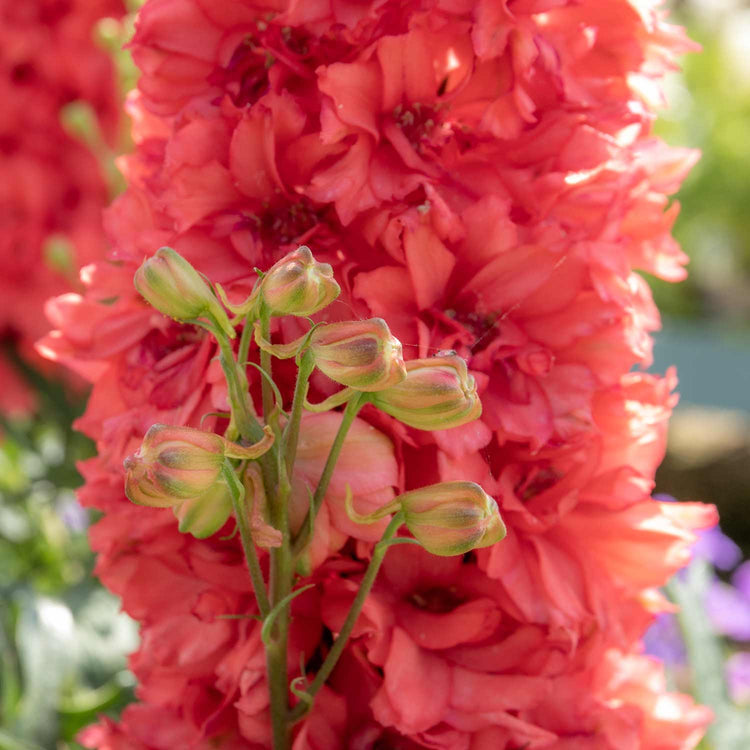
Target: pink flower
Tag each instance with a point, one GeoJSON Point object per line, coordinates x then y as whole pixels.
{"type": "Point", "coordinates": [484, 179]}
{"type": "Point", "coordinates": [371, 481]}
{"type": "Point", "coordinates": [53, 188]}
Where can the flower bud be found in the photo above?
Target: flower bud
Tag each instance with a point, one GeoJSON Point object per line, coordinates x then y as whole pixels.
{"type": "Point", "coordinates": [173, 464]}
{"type": "Point", "coordinates": [298, 284]}
{"type": "Point", "coordinates": [169, 283]}
{"type": "Point", "coordinates": [451, 518]}
{"type": "Point", "coordinates": [362, 354]}
{"type": "Point", "coordinates": [204, 515]}
{"type": "Point", "coordinates": [177, 463]}
{"type": "Point", "coordinates": [438, 393]}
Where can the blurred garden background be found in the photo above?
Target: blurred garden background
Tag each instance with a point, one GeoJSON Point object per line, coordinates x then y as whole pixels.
{"type": "Point", "coordinates": [63, 641]}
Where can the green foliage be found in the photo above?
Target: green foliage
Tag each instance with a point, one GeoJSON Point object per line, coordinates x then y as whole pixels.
{"type": "Point", "coordinates": [62, 639]}
{"type": "Point", "coordinates": [710, 110]}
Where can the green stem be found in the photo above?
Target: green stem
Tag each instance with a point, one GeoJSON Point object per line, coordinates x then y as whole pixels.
{"type": "Point", "coordinates": [352, 408]}
{"type": "Point", "coordinates": [237, 492]}
{"type": "Point", "coordinates": [365, 586]}
{"type": "Point", "coordinates": [282, 574]}
{"type": "Point", "coordinates": [279, 694]}
{"type": "Point", "coordinates": [246, 421]}
{"type": "Point", "coordinates": [291, 432]}
{"type": "Point", "coordinates": [266, 364]}
{"type": "Point", "coordinates": [245, 338]}
{"type": "Point", "coordinates": [282, 568]}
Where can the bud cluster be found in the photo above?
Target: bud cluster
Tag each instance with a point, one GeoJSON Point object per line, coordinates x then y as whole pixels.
{"type": "Point", "coordinates": [183, 468]}
{"type": "Point", "coordinates": [204, 476]}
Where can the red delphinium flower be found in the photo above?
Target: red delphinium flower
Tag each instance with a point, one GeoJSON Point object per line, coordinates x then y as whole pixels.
{"type": "Point", "coordinates": [482, 175]}
{"type": "Point", "coordinates": [52, 190]}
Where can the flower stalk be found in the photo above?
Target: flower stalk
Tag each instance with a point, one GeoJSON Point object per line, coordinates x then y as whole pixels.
{"type": "Point", "coordinates": [237, 492]}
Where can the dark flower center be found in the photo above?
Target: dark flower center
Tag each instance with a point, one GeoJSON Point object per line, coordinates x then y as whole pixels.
{"type": "Point", "coordinates": [437, 599]}
{"type": "Point", "coordinates": [282, 222]}
{"type": "Point", "coordinates": [417, 121]}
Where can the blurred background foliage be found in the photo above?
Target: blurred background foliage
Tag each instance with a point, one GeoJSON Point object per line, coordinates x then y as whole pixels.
{"type": "Point", "coordinates": [63, 640]}
{"type": "Point", "coordinates": [706, 645]}
{"type": "Point", "coordinates": [709, 109]}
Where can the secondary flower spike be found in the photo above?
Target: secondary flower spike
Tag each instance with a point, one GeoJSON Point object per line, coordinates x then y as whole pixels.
{"type": "Point", "coordinates": [451, 518]}
{"type": "Point", "coordinates": [298, 284]}
{"type": "Point", "coordinates": [169, 283]}
{"type": "Point", "coordinates": [362, 354]}
{"type": "Point", "coordinates": [438, 393]}
{"type": "Point", "coordinates": [177, 463]}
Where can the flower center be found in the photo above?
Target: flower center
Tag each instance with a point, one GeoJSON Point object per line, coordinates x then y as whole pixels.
{"type": "Point", "coordinates": [464, 330]}
{"type": "Point", "coordinates": [245, 76]}
{"type": "Point", "coordinates": [284, 223]}
{"type": "Point", "coordinates": [417, 121]}
{"type": "Point", "coordinates": [537, 482]}
{"type": "Point", "coordinates": [437, 599]}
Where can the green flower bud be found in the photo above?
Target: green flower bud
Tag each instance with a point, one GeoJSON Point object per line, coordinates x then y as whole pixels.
{"type": "Point", "coordinates": [451, 518]}
{"type": "Point", "coordinates": [173, 464]}
{"type": "Point", "coordinates": [169, 283]}
{"type": "Point", "coordinates": [362, 354]}
{"type": "Point", "coordinates": [204, 515]}
{"type": "Point", "coordinates": [177, 463]}
{"type": "Point", "coordinates": [438, 393]}
{"type": "Point", "coordinates": [298, 285]}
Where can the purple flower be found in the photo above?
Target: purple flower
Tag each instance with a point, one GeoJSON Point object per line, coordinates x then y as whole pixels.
{"type": "Point", "coordinates": [664, 640]}
{"type": "Point", "coordinates": [738, 676]}
{"type": "Point", "coordinates": [73, 515]}
{"type": "Point", "coordinates": [741, 579]}
{"type": "Point", "coordinates": [729, 610]}
{"type": "Point", "coordinates": [717, 548]}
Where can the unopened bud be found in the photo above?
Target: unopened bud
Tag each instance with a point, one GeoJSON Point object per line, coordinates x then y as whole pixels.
{"type": "Point", "coordinates": [177, 463]}
{"type": "Point", "coordinates": [204, 515]}
{"type": "Point", "coordinates": [362, 354]}
{"type": "Point", "coordinates": [173, 464]}
{"type": "Point", "coordinates": [451, 518]}
{"type": "Point", "coordinates": [169, 283]}
{"type": "Point", "coordinates": [298, 284]}
{"type": "Point", "coordinates": [438, 393]}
